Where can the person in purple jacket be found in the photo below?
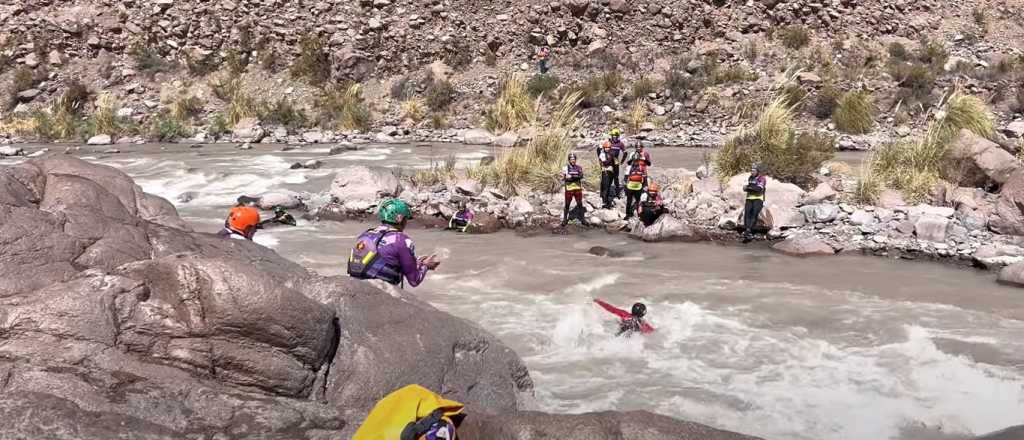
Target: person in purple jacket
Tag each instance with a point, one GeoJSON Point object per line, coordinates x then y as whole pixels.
{"type": "Point", "coordinates": [386, 253]}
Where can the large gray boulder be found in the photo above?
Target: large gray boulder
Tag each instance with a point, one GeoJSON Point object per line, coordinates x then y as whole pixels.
{"type": "Point", "coordinates": [1012, 275]}
{"type": "Point", "coordinates": [359, 188]}
{"type": "Point", "coordinates": [982, 159]}
{"type": "Point", "coordinates": [804, 244]}
{"type": "Point", "coordinates": [667, 228]}
{"type": "Point", "coordinates": [780, 205]}
{"type": "Point", "coordinates": [1008, 216]}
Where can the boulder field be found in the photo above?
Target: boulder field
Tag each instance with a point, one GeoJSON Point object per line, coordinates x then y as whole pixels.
{"type": "Point", "coordinates": [118, 321]}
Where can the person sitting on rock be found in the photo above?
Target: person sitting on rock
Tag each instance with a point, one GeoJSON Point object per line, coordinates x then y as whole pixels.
{"type": "Point", "coordinates": [386, 253]}
{"type": "Point", "coordinates": [636, 183]}
{"type": "Point", "coordinates": [572, 175]}
{"type": "Point", "coordinates": [462, 219]}
{"type": "Point", "coordinates": [755, 189]}
{"type": "Point", "coordinates": [651, 205]}
{"type": "Point", "coordinates": [610, 155]}
{"type": "Point", "coordinates": [629, 322]}
{"type": "Point", "coordinates": [243, 220]}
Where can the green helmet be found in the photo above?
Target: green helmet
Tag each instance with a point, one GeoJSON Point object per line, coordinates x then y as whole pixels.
{"type": "Point", "coordinates": [393, 211]}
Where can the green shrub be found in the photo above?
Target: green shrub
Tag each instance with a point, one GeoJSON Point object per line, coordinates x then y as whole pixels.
{"type": "Point", "coordinates": [679, 83]}
{"type": "Point", "coordinates": [73, 99]}
{"type": "Point", "coordinates": [733, 74]}
{"type": "Point", "coordinates": [537, 166]}
{"type": "Point", "coordinates": [412, 109]}
{"type": "Point", "coordinates": [793, 95]}
{"type": "Point", "coordinates": [225, 88]}
{"type": "Point", "coordinates": [201, 65]}
{"type": "Point", "coordinates": [286, 114]}
{"type": "Point", "coordinates": [218, 125]}
{"type": "Point", "coordinates": [855, 113]}
{"type": "Point", "coordinates": [542, 85]}
{"type": "Point", "coordinates": [149, 62]}
{"type": "Point", "coordinates": [438, 121]}
{"type": "Point", "coordinates": [915, 81]}
{"type": "Point", "coordinates": [164, 127]}
{"type": "Point", "coordinates": [457, 54]}
{"type": "Point", "coordinates": [242, 106]}
{"type": "Point", "coordinates": [794, 37]}
{"type": "Point", "coordinates": [915, 167]}
{"type": "Point", "coordinates": [644, 87]}
{"type": "Point", "coordinates": [105, 120]}
{"type": "Point", "coordinates": [345, 108]}
{"type": "Point", "coordinates": [774, 142]}
{"type": "Point", "coordinates": [237, 61]}
{"type": "Point", "coordinates": [825, 102]}
{"type": "Point", "coordinates": [403, 88]}
{"type": "Point", "coordinates": [186, 108]}
{"type": "Point", "coordinates": [490, 59]}
{"type": "Point", "coordinates": [513, 109]}
{"type": "Point", "coordinates": [932, 54]}
{"type": "Point", "coordinates": [313, 63]}
{"type": "Point", "coordinates": [637, 116]}
{"type": "Point", "coordinates": [898, 52]}
{"type": "Point", "coordinates": [441, 95]}
{"type": "Point", "coordinates": [751, 50]}
{"type": "Point", "coordinates": [437, 173]}
{"type": "Point", "coordinates": [600, 90]}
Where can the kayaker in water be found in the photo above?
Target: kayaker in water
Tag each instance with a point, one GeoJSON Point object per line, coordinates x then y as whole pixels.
{"type": "Point", "coordinates": [629, 322]}
{"type": "Point", "coordinates": [386, 253]}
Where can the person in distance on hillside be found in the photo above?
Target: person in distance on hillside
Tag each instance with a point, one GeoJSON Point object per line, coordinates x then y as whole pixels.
{"type": "Point", "coordinates": [543, 55]}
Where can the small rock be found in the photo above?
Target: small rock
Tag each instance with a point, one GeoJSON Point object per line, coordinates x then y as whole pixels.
{"type": "Point", "coordinates": [245, 146]}
{"type": "Point", "coordinates": [821, 213]}
{"type": "Point", "coordinates": [903, 131]}
{"type": "Point", "coordinates": [28, 95]}
{"type": "Point", "coordinates": [804, 244]}
{"type": "Point", "coordinates": [1012, 275]}
{"type": "Point", "coordinates": [7, 150]}
{"type": "Point", "coordinates": [112, 151]}
{"type": "Point", "coordinates": [468, 187]}
{"type": "Point", "coordinates": [862, 218]}
{"type": "Point", "coordinates": [477, 137]}
{"type": "Point", "coordinates": [313, 137]}
{"type": "Point", "coordinates": [931, 228]}
{"type": "Point", "coordinates": [100, 139]}
{"type": "Point", "coordinates": [312, 164]}
{"type": "Point", "coordinates": [808, 78]}
{"type": "Point", "coordinates": [1014, 129]}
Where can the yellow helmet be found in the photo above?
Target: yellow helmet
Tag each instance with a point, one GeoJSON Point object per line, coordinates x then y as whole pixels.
{"type": "Point", "coordinates": [615, 132]}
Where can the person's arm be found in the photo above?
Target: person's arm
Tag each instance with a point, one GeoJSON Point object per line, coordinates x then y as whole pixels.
{"type": "Point", "coordinates": [413, 269]}
{"type": "Point", "coordinates": [647, 158]}
{"type": "Point", "coordinates": [614, 310]}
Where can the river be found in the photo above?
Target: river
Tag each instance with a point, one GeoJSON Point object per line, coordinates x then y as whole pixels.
{"type": "Point", "coordinates": [843, 348]}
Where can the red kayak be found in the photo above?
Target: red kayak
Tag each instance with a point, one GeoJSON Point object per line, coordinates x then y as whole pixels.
{"type": "Point", "coordinates": [623, 315]}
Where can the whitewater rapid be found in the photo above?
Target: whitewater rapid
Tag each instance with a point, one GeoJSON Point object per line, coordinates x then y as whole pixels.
{"type": "Point", "coordinates": [846, 348]}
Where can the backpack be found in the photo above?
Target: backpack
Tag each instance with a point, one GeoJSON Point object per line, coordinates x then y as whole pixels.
{"type": "Point", "coordinates": [364, 261]}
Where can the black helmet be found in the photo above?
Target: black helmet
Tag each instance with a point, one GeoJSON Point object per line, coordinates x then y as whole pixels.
{"type": "Point", "coordinates": [639, 310]}
{"type": "Point", "coordinates": [572, 157]}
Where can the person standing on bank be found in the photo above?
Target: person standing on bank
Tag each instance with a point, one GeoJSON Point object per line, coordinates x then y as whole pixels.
{"type": "Point", "coordinates": [755, 189]}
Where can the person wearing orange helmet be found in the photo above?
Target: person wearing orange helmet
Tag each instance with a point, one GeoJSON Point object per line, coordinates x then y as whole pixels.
{"type": "Point", "coordinates": [651, 204]}
{"type": "Point", "coordinates": [243, 220]}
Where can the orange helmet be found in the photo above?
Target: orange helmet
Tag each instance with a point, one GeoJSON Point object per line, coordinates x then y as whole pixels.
{"type": "Point", "coordinates": [243, 220]}
{"type": "Point", "coordinates": [652, 187]}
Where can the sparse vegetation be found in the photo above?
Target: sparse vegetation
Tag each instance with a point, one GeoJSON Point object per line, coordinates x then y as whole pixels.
{"type": "Point", "coordinates": [457, 54]}
{"type": "Point", "coordinates": [751, 50]}
{"type": "Point", "coordinates": [412, 109]}
{"type": "Point", "coordinates": [600, 90]}
{"type": "Point", "coordinates": [438, 121]}
{"type": "Point", "coordinates": [225, 88]}
{"type": "Point", "coordinates": [542, 85]}
{"type": "Point", "coordinates": [165, 127]}
{"type": "Point", "coordinates": [403, 88]}
{"type": "Point", "coordinates": [538, 165]}
{"type": "Point", "coordinates": [793, 95]}
{"type": "Point", "coordinates": [437, 173]}
{"type": "Point", "coordinates": [643, 88]}
{"type": "Point", "coordinates": [286, 114]}
{"type": "Point", "coordinates": [345, 108]}
{"type": "Point", "coordinates": [441, 94]}
{"type": "Point", "coordinates": [73, 99]}
{"type": "Point", "coordinates": [825, 102]}
{"type": "Point", "coordinates": [898, 52]}
{"type": "Point", "coordinates": [915, 81]}
{"type": "Point", "coordinates": [187, 107]}
{"type": "Point", "coordinates": [794, 37]}
{"type": "Point", "coordinates": [637, 116]}
{"type": "Point", "coordinates": [313, 63]}
{"type": "Point", "coordinates": [24, 79]}
{"type": "Point", "coordinates": [774, 142]}
{"type": "Point", "coordinates": [105, 120]}
{"type": "Point", "coordinates": [514, 107]}
{"type": "Point", "coordinates": [242, 106]}
{"type": "Point", "coordinates": [855, 113]}
{"type": "Point", "coordinates": [733, 74]}
{"type": "Point", "coordinates": [915, 167]}
{"type": "Point", "coordinates": [200, 65]}
{"type": "Point", "coordinates": [149, 62]}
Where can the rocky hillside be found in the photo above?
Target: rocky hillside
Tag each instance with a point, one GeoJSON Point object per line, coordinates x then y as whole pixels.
{"type": "Point", "coordinates": [705, 62]}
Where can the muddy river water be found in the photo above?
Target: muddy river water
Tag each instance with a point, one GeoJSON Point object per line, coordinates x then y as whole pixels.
{"type": "Point", "coordinates": [844, 348]}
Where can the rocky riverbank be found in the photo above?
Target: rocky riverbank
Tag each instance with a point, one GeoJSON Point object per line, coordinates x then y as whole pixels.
{"type": "Point", "coordinates": [964, 226]}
